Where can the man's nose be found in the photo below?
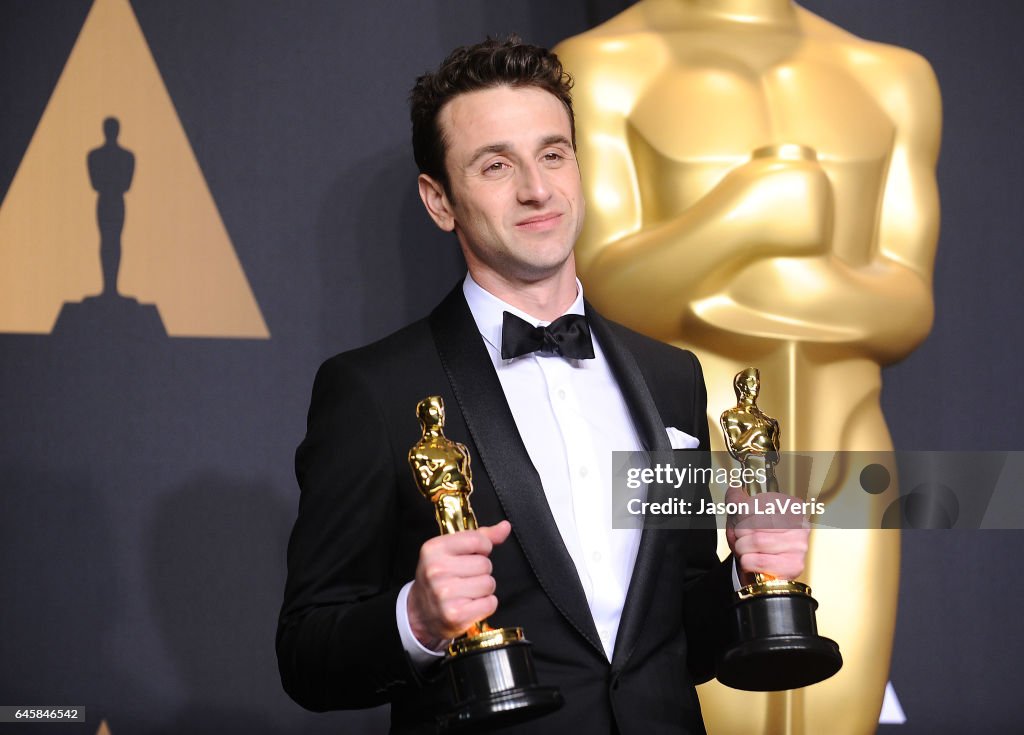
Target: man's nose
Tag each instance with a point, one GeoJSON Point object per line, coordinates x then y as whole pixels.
{"type": "Point", "coordinates": [533, 184]}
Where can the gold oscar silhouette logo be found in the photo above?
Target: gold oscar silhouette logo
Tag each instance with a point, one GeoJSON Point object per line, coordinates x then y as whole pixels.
{"type": "Point", "coordinates": [109, 206]}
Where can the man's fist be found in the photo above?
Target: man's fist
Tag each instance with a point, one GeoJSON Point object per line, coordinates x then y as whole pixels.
{"type": "Point", "coordinates": [773, 544]}
{"type": "Point", "coordinates": [453, 587]}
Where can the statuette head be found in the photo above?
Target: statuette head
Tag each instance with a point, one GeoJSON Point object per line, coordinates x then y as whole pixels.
{"type": "Point", "coordinates": [747, 384]}
{"type": "Point", "coordinates": [430, 412]}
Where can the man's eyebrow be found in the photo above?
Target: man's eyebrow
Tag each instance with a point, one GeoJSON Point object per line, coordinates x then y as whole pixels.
{"type": "Point", "coordinates": [486, 150]}
{"type": "Point", "coordinates": [556, 139]}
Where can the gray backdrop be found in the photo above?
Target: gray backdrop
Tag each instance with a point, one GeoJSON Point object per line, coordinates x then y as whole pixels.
{"type": "Point", "coordinates": [146, 486]}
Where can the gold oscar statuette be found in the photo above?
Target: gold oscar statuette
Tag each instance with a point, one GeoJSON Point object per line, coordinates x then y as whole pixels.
{"type": "Point", "coordinates": [491, 669]}
{"type": "Point", "coordinates": [775, 643]}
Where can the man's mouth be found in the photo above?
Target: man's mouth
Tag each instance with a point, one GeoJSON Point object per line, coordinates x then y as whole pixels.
{"type": "Point", "coordinates": [540, 222]}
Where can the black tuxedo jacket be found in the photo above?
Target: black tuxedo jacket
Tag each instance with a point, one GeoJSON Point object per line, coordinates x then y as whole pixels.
{"type": "Point", "coordinates": [362, 520]}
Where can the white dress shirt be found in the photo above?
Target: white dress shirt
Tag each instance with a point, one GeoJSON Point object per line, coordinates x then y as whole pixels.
{"type": "Point", "coordinates": [571, 416]}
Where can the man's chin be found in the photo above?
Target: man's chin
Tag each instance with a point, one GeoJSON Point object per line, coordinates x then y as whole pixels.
{"type": "Point", "coordinates": [535, 272]}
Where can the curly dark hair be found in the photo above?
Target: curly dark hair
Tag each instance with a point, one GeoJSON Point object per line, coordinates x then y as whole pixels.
{"type": "Point", "coordinates": [491, 63]}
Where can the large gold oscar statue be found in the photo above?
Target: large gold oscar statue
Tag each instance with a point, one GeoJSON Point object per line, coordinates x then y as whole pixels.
{"type": "Point", "coordinates": [761, 188]}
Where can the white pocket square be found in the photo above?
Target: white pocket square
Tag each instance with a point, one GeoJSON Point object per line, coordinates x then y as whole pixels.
{"type": "Point", "coordinates": [680, 439]}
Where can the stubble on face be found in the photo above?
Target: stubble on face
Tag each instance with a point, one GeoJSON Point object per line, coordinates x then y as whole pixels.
{"type": "Point", "coordinates": [517, 201]}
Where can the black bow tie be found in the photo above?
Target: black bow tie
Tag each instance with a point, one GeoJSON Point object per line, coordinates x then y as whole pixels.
{"type": "Point", "coordinates": [568, 336]}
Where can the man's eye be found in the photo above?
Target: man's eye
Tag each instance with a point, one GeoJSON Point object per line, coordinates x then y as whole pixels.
{"type": "Point", "coordinates": [497, 166]}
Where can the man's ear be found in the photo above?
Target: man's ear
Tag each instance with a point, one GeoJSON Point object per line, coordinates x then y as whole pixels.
{"type": "Point", "coordinates": [436, 202]}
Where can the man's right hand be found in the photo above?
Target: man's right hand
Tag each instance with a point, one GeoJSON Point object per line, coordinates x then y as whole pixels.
{"type": "Point", "coordinates": [453, 587]}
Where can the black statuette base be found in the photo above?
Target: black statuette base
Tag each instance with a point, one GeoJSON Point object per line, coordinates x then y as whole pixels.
{"type": "Point", "coordinates": [497, 687]}
{"type": "Point", "coordinates": [776, 645]}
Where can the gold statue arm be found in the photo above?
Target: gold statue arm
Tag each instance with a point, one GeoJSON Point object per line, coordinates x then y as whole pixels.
{"type": "Point", "coordinates": [731, 225]}
{"type": "Point", "coordinates": [734, 437]}
{"type": "Point", "coordinates": [734, 224]}
{"type": "Point", "coordinates": [879, 304]}
{"type": "Point", "coordinates": [745, 442]}
{"type": "Point", "coordinates": [908, 229]}
{"type": "Point", "coordinates": [904, 85]}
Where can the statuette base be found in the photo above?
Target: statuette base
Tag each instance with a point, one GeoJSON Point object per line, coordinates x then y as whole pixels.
{"type": "Point", "coordinates": [776, 645]}
{"type": "Point", "coordinates": [496, 686]}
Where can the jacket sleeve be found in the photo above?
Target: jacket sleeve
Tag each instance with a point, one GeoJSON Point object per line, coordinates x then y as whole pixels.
{"type": "Point", "coordinates": [708, 591]}
{"type": "Point", "coordinates": [338, 645]}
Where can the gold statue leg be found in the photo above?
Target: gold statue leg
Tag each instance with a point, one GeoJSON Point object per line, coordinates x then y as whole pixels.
{"type": "Point", "coordinates": [454, 513]}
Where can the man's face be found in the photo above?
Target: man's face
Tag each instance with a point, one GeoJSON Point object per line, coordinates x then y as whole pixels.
{"type": "Point", "coordinates": [518, 206]}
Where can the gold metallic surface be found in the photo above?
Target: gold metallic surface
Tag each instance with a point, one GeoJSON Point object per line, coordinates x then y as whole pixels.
{"type": "Point", "coordinates": [773, 587]}
{"type": "Point", "coordinates": [752, 436]}
{"type": "Point", "coordinates": [490, 638]}
{"type": "Point", "coordinates": [753, 439]}
{"type": "Point", "coordinates": [441, 469]}
{"type": "Point", "coordinates": [176, 250]}
{"type": "Point", "coordinates": [761, 188]}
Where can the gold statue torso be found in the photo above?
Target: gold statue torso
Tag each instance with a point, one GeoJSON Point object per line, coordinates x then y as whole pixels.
{"type": "Point", "coordinates": [741, 91]}
{"type": "Point", "coordinates": [768, 188]}
{"type": "Point", "coordinates": [754, 434]}
{"type": "Point", "coordinates": [441, 468]}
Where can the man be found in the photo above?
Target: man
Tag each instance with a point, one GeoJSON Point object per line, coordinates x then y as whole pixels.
{"type": "Point", "coordinates": [623, 623]}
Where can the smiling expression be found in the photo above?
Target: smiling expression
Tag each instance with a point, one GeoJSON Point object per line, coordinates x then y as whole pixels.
{"type": "Point", "coordinates": [516, 203]}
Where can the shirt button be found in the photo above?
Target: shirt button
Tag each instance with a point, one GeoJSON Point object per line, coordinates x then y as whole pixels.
{"type": "Point", "coordinates": [561, 394]}
{"type": "Point", "coordinates": [584, 471]}
{"type": "Point", "coordinates": [596, 556]}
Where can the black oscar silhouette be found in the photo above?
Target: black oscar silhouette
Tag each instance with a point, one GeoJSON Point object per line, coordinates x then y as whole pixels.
{"type": "Point", "coordinates": [111, 169]}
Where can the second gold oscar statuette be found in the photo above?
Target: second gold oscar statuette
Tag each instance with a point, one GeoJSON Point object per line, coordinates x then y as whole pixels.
{"type": "Point", "coordinates": [491, 669]}
{"type": "Point", "coordinates": [775, 642]}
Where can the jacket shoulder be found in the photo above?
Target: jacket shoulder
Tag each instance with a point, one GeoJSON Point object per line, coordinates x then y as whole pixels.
{"type": "Point", "coordinates": [653, 355]}
{"type": "Point", "coordinates": [380, 354]}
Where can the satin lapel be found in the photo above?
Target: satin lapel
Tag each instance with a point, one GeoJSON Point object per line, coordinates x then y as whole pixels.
{"type": "Point", "coordinates": [632, 384]}
{"type": "Point", "coordinates": [651, 429]}
{"type": "Point", "coordinates": [503, 456]}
